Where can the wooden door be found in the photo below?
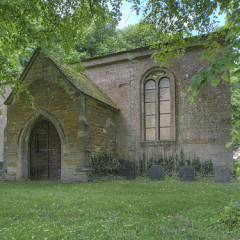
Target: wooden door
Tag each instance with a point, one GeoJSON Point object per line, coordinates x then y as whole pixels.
{"type": "Point", "coordinates": [45, 152]}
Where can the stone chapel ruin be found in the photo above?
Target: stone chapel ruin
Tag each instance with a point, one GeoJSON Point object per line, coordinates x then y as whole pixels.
{"type": "Point", "coordinates": [124, 103]}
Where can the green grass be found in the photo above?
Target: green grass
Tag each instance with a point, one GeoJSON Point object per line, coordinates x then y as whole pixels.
{"type": "Point", "coordinates": [139, 209]}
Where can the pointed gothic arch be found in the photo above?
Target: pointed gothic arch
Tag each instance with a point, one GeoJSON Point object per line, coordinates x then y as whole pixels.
{"type": "Point", "coordinates": [24, 138]}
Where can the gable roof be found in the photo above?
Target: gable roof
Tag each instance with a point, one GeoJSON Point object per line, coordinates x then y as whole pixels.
{"type": "Point", "coordinates": [78, 80]}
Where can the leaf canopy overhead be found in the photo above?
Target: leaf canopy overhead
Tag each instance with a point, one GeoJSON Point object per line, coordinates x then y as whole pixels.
{"type": "Point", "coordinates": [53, 25]}
{"type": "Point", "coordinates": [58, 26]}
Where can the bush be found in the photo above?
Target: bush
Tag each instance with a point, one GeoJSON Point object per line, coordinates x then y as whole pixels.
{"type": "Point", "coordinates": [207, 168]}
{"type": "Point", "coordinates": [160, 160]}
{"type": "Point", "coordinates": [171, 164]}
{"type": "Point", "coordinates": [176, 167]}
{"type": "Point", "coordinates": [182, 159]}
{"type": "Point", "coordinates": [168, 164]}
{"type": "Point", "coordinates": [104, 164]}
{"type": "Point", "coordinates": [150, 163]}
{"type": "Point", "coordinates": [142, 164]}
{"type": "Point", "coordinates": [196, 163]}
{"type": "Point", "coordinates": [188, 162]}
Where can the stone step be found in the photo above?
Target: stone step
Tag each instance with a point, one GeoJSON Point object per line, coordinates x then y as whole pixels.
{"type": "Point", "coordinates": [7, 176]}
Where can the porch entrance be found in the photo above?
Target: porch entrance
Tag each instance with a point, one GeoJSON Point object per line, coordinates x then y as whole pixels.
{"type": "Point", "coordinates": [45, 152]}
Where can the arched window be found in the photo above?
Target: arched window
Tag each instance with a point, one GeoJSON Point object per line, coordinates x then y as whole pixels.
{"type": "Point", "coordinates": [158, 90]}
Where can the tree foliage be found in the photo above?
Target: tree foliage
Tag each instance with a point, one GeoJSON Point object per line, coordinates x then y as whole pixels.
{"type": "Point", "coordinates": [138, 35]}
{"type": "Point", "coordinates": [60, 25]}
{"type": "Point", "coordinates": [106, 39]}
{"type": "Point", "coordinates": [235, 99]}
{"type": "Point", "coordinates": [97, 40]}
{"type": "Point", "coordinates": [176, 23]}
{"type": "Point", "coordinates": [218, 68]}
{"type": "Point", "coordinates": [53, 25]}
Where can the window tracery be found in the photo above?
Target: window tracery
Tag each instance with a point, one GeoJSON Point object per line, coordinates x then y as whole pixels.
{"type": "Point", "coordinates": [159, 106]}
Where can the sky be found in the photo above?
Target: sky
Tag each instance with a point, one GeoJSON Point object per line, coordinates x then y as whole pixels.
{"type": "Point", "coordinates": [129, 17]}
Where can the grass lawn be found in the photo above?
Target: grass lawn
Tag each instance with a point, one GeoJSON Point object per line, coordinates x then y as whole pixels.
{"type": "Point", "coordinates": [139, 209]}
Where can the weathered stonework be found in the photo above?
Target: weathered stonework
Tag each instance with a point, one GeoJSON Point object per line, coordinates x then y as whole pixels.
{"type": "Point", "coordinates": [70, 112]}
{"type": "Point", "coordinates": [3, 121]}
{"type": "Point", "coordinates": [102, 127]}
{"type": "Point", "coordinates": [202, 128]}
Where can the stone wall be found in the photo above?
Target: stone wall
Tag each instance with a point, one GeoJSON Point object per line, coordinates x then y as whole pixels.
{"type": "Point", "coordinates": [3, 120]}
{"type": "Point", "coordinates": [102, 127]}
{"type": "Point", "coordinates": [59, 102]}
{"type": "Point", "coordinates": [202, 128]}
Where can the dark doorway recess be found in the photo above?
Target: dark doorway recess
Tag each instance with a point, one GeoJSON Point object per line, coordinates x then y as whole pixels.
{"type": "Point", "coordinates": [45, 152]}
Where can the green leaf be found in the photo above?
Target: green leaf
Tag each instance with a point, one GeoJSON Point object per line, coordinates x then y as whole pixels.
{"type": "Point", "coordinates": [228, 145]}
{"type": "Point", "coordinates": [196, 91]}
{"type": "Point", "coordinates": [215, 81]}
{"type": "Point", "coordinates": [189, 89]}
{"type": "Point", "coordinates": [192, 99]}
{"type": "Point", "coordinates": [225, 76]}
{"type": "Point", "coordinates": [236, 73]}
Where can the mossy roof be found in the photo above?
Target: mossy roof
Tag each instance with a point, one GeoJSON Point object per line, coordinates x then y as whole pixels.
{"type": "Point", "coordinates": [82, 82]}
{"type": "Point", "coordinates": [78, 80]}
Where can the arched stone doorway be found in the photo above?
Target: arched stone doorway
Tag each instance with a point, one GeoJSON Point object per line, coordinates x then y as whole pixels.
{"type": "Point", "coordinates": [45, 152]}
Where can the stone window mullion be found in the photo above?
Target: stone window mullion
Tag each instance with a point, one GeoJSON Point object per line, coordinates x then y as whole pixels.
{"type": "Point", "coordinates": [157, 112]}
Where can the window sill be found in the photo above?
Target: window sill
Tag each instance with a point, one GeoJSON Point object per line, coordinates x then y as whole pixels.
{"type": "Point", "coordinates": [157, 143]}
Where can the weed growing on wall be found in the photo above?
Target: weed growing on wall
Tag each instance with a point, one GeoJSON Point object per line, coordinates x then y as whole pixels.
{"type": "Point", "coordinates": [188, 162]}
{"type": "Point", "coordinates": [182, 159]}
{"type": "Point", "coordinates": [206, 168]}
{"type": "Point", "coordinates": [171, 164]}
{"type": "Point", "coordinates": [105, 165]}
{"type": "Point", "coordinates": [150, 162]}
{"type": "Point", "coordinates": [196, 163]}
{"type": "Point", "coordinates": [160, 159]}
{"type": "Point", "coordinates": [176, 167]}
{"type": "Point", "coordinates": [142, 164]}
